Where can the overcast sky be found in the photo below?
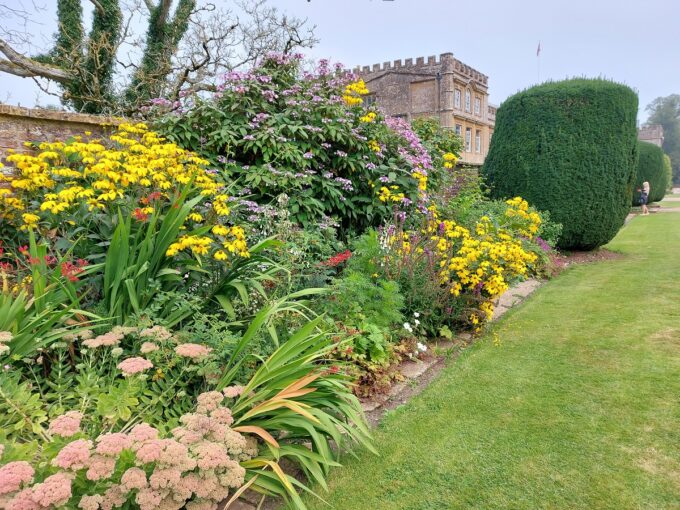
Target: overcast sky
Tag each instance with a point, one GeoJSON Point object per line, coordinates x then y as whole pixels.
{"type": "Point", "coordinates": [634, 42]}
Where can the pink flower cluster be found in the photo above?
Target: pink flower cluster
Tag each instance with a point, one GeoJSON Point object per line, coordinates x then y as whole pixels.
{"type": "Point", "coordinates": [417, 157]}
{"type": "Point", "coordinates": [66, 425]}
{"type": "Point", "coordinates": [194, 468]}
{"type": "Point", "coordinates": [132, 366]}
{"type": "Point", "coordinates": [109, 339]}
{"type": "Point", "coordinates": [194, 351]}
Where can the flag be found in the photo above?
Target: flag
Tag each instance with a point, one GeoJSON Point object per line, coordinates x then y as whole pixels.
{"type": "Point", "coordinates": [538, 50]}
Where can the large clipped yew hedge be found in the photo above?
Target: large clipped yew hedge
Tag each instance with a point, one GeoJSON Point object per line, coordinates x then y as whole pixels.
{"type": "Point", "coordinates": [651, 168]}
{"type": "Point", "coordinates": [569, 147]}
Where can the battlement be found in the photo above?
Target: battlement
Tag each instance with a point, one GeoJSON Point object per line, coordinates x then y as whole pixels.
{"type": "Point", "coordinates": [430, 65]}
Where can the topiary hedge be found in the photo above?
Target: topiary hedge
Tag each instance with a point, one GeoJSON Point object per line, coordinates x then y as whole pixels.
{"type": "Point", "coordinates": [570, 148]}
{"type": "Point", "coordinates": [651, 168]}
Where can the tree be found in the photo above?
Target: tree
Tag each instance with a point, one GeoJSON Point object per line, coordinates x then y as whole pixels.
{"type": "Point", "coordinates": [666, 111]}
{"type": "Point", "coordinates": [651, 168]}
{"type": "Point", "coordinates": [187, 44]}
{"type": "Point", "coordinates": [569, 148]}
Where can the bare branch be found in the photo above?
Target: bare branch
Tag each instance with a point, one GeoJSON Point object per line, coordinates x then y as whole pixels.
{"type": "Point", "coordinates": [30, 67]}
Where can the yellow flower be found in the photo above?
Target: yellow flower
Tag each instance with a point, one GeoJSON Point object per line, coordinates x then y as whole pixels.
{"type": "Point", "coordinates": [369, 117]}
{"type": "Point", "coordinates": [30, 219]}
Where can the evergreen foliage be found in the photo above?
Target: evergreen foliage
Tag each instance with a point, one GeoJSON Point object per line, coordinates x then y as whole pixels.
{"type": "Point", "coordinates": [570, 148]}
{"type": "Point", "coordinates": [652, 168]}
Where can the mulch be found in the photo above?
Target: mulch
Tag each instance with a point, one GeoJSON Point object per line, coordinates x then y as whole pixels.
{"type": "Point", "coordinates": [563, 260]}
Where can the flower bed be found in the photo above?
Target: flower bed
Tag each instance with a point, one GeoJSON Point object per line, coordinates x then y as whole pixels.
{"type": "Point", "coordinates": [174, 324]}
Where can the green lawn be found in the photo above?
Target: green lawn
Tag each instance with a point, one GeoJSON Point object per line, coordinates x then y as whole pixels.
{"type": "Point", "coordinates": [579, 407]}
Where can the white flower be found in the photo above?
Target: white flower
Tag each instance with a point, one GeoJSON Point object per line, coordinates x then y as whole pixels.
{"type": "Point", "coordinates": [416, 322]}
{"type": "Point", "coordinates": [408, 327]}
{"type": "Point", "coordinates": [422, 347]}
{"type": "Point", "coordinates": [416, 314]}
{"type": "Point", "coordinates": [4, 348]}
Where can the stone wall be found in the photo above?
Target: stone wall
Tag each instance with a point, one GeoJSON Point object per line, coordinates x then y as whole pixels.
{"type": "Point", "coordinates": [19, 125]}
{"type": "Point", "coordinates": [652, 133]}
{"type": "Point", "coordinates": [436, 87]}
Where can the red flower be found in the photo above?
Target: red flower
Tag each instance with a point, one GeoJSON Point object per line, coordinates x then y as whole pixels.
{"type": "Point", "coordinates": [70, 270]}
{"type": "Point", "coordinates": [140, 215]}
{"type": "Point", "coordinates": [338, 259]}
{"type": "Point", "coordinates": [23, 249]}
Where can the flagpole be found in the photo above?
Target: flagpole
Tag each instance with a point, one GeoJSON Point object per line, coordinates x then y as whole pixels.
{"type": "Point", "coordinates": [538, 63]}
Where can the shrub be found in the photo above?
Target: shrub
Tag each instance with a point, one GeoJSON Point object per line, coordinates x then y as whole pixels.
{"type": "Point", "coordinates": [277, 130]}
{"type": "Point", "coordinates": [569, 148]}
{"type": "Point", "coordinates": [668, 168]}
{"type": "Point", "coordinates": [652, 168]}
{"type": "Point", "coordinates": [449, 274]}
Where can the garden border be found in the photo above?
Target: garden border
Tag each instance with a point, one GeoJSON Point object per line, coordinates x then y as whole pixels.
{"type": "Point", "coordinates": [417, 376]}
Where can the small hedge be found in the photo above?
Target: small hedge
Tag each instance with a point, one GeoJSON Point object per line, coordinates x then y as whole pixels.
{"type": "Point", "coordinates": [570, 148]}
{"type": "Point", "coordinates": [651, 168]}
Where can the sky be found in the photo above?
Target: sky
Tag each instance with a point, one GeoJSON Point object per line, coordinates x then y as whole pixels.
{"type": "Point", "coordinates": [633, 42]}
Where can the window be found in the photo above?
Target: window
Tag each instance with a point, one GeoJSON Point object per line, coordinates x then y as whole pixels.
{"type": "Point", "coordinates": [468, 139]}
{"type": "Point", "coordinates": [478, 141]}
{"type": "Point", "coordinates": [456, 98]}
{"type": "Point", "coordinates": [459, 129]}
{"type": "Point", "coordinates": [369, 100]}
{"type": "Point", "coordinates": [478, 106]}
{"type": "Point", "coordinates": [467, 100]}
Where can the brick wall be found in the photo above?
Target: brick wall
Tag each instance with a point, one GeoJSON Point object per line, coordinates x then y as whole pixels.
{"type": "Point", "coordinates": [18, 125]}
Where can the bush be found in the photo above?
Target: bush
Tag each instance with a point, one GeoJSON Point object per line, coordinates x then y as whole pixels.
{"type": "Point", "coordinates": [277, 130]}
{"type": "Point", "coordinates": [652, 169]}
{"type": "Point", "coordinates": [569, 148]}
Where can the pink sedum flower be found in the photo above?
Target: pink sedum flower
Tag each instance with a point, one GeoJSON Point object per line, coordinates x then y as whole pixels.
{"type": "Point", "coordinates": [233, 391]}
{"type": "Point", "coordinates": [143, 432]}
{"type": "Point", "coordinates": [13, 475]}
{"type": "Point", "coordinates": [100, 467]}
{"type": "Point", "coordinates": [113, 443]}
{"type": "Point", "coordinates": [110, 339]}
{"type": "Point", "coordinates": [148, 347]}
{"type": "Point", "coordinates": [133, 478]}
{"type": "Point", "coordinates": [114, 497]}
{"type": "Point", "coordinates": [209, 401]}
{"type": "Point", "coordinates": [54, 491]}
{"type": "Point", "coordinates": [132, 366]}
{"type": "Point", "coordinates": [74, 455]}
{"type": "Point", "coordinates": [193, 351]}
{"type": "Point", "coordinates": [148, 499]}
{"type": "Point", "coordinates": [66, 425]}
{"type": "Point", "coordinates": [90, 502]}
{"type": "Point", "coordinates": [23, 501]}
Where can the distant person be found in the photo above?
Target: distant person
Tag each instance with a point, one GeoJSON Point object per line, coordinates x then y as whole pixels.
{"type": "Point", "coordinates": [644, 198]}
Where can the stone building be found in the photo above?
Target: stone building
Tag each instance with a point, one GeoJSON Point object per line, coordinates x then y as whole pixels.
{"type": "Point", "coordinates": [652, 133]}
{"type": "Point", "coordinates": [444, 88]}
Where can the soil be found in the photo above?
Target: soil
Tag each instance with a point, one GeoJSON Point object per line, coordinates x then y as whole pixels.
{"type": "Point", "coordinates": [565, 259]}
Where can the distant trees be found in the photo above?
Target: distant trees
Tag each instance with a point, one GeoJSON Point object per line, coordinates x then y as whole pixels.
{"type": "Point", "coordinates": [666, 111]}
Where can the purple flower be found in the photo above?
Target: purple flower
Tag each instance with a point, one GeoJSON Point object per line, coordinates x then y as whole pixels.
{"type": "Point", "coordinates": [340, 153]}
{"type": "Point", "coordinates": [308, 155]}
{"type": "Point", "coordinates": [249, 137]}
{"type": "Point", "coordinates": [384, 178]}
